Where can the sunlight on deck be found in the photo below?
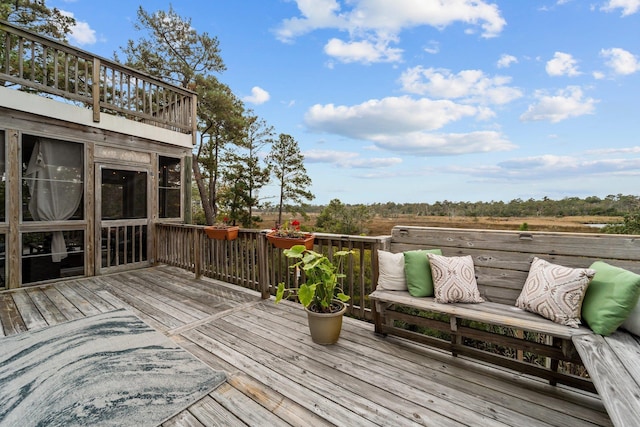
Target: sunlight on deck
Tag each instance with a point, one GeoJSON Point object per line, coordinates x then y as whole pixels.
{"type": "Point", "coordinates": [278, 376]}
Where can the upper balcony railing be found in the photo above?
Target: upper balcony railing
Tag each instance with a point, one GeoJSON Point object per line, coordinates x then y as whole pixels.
{"type": "Point", "coordinates": [37, 64]}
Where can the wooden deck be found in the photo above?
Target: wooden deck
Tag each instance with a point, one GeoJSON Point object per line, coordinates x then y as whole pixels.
{"type": "Point", "coordinates": [277, 376]}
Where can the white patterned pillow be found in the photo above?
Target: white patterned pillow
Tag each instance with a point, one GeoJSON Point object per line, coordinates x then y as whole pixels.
{"type": "Point", "coordinates": [391, 271]}
{"type": "Point", "coordinates": [555, 292]}
{"type": "Point", "coordinates": [454, 279]}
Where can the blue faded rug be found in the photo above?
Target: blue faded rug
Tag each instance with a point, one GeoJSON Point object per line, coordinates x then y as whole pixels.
{"type": "Point", "coordinates": [105, 370]}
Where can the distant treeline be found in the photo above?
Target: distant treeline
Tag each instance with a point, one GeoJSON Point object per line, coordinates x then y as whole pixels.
{"type": "Point", "coordinates": [612, 205]}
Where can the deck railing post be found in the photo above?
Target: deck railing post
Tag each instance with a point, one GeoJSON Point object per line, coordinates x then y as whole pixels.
{"type": "Point", "coordinates": [197, 259]}
{"type": "Point", "coordinates": [95, 89]}
{"type": "Point", "coordinates": [263, 265]}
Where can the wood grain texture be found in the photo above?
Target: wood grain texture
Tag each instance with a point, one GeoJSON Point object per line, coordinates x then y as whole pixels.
{"type": "Point", "coordinates": [612, 363]}
{"type": "Point", "coordinates": [279, 376]}
{"type": "Point", "coordinates": [502, 260]}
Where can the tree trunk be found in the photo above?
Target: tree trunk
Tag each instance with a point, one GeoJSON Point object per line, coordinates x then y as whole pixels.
{"type": "Point", "coordinates": [204, 197]}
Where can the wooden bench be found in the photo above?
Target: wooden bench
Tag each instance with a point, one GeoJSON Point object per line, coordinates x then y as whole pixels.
{"type": "Point", "coordinates": [613, 363]}
{"type": "Point", "coordinates": [496, 331]}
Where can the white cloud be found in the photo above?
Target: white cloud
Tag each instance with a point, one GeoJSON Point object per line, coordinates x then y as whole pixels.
{"type": "Point", "coordinates": [362, 51]}
{"type": "Point", "coordinates": [429, 144]}
{"type": "Point", "coordinates": [468, 85]}
{"type": "Point", "coordinates": [562, 64]}
{"type": "Point", "coordinates": [565, 104]}
{"type": "Point", "coordinates": [505, 61]}
{"type": "Point", "coordinates": [315, 14]}
{"type": "Point", "coordinates": [404, 125]}
{"type": "Point", "coordinates": [258, 96]}
{"type": "Point", "coordinates": [629, 7]}
{"type": "Point", "coordinates": [373, 24]}
{"type": "Point", "coordinates": [621, 61]}
{"type": "Point", "coordinates": [432, 47]}
{"type": "Point", "coordinates": [553, 166]}
{"type": "Point", "coordinates": [346, 159]}
{"type": "Point", "coordinates": [81, 32]}
{"type": "Point", "coordinates": [390, 115]}
{"type": "Point", "coordinates": [607, 151]}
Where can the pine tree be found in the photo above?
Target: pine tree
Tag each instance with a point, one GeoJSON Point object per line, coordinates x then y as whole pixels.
{"type": "Point", "coordinates": [286, 163]}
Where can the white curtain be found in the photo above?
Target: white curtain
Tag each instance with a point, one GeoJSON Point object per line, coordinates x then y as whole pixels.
{"type": "Point", "coordinates": [54, 178]}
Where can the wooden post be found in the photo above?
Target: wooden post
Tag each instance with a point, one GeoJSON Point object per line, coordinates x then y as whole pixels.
{"type": "Point", "coordinates": [519, 333]}
{"type": "Point", "coordinates": [95, 92]}
{"type": "Point", "coordinates": [13, 244]}
{"type": "Point", "coordinates": [194, 119]}
{"type": "Point", "coordinates": [456, 338]}
{"type": "Point", "coordinates": [263, 265]}
{"type": "Point", "coordinates": [197, 259]}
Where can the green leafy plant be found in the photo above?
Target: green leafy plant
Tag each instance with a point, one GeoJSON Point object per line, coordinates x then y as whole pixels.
{"type": "Point", "coordinates": [321, 286]}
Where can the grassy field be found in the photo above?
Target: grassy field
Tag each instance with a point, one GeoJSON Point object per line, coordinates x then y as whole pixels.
{"type": "Point", "coordinates": [383, 226]}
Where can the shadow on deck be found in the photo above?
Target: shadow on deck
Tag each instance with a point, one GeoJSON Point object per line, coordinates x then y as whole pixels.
{"type": "Point", "coordinates": [278, 376]}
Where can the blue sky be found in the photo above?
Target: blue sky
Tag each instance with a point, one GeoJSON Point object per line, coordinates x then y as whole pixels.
{"type": "Point", "coordinates": [427, 100]}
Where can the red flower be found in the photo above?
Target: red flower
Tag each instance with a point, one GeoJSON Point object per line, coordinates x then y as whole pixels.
{"type": "Point", "coordinates": [296, 224]}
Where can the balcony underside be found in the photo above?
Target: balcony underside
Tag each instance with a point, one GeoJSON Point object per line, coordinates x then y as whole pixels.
{"type": "Point", "coordinates": [277, 376]}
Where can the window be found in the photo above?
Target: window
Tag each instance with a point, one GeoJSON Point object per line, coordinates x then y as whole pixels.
{"type": "Point", "coordinates": [124, 194]}
{"type": "Point", "coordinates": [52, 179]}
{"type": "Point", "coordinates": [42, 261]}
{"type": "Point", "coordinates": [169, 187]}
{"type": "Point", "coordinates": [52, 190]}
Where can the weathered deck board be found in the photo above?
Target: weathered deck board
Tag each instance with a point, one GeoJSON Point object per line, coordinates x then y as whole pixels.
{"type": "Point", "coordinates": [10, 318]}
{"type": "Point", "coordinates": [28, 311]}
{"type": "Point", "coordinates": [141, 304]}
{"type": "Point", "coordinates": [49, 311]}
{"type": "Point", "coordinates": [247, 410]}
{"type": "Point", "coordinates": [456, 383]}
{"type": "Point", "coordinates": [439, 368]}
{"type": "Point", "coordinates": [68, 289]}
{"type": "Point", "coordinates": [353, 400]}
{"type": "Point", "coordinates": [613, 363]}
{"type": "Point", "coordinates": [66, 307]}
{"type": "Point", "coordinates": [272, 364]}
{"type": "Point", "coordinates": [183, 419]}
{"type": "Point", "coordinates": [96, 300]}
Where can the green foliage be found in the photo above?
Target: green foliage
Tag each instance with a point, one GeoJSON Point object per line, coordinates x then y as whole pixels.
{"type": "Point", "coordinates": [631, 225]}
{"type": "Point", "coordinates": [173, 50]}
{"type": "Point", "coordinates": [612, 205]}
{"type": "Point", "coordinates": [35, 16]}
{"type": "Point", "coordinates": [321, 285]}
{"type": "Point", "coordinates": [244, 173]}
{"type": "Point", "coordinates": [524, 227]}
{"type": "Point", "coordinates": [286, 163]}
{"type": "Point", "coordinates": [343, 219]}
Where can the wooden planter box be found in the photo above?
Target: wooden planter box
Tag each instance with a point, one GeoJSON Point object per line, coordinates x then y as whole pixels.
{"type": "Point", "coordinates": [227, 233]}
{"type": "Point", "coordinates": [289, 242]}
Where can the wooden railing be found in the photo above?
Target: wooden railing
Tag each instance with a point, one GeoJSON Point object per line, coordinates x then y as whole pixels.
{"type": "Point", "coordinates": [37, 64]}
{"type": "Point", "coordinates": [252, 262]}
{"type": "Point", "coordinates": [123, 243]}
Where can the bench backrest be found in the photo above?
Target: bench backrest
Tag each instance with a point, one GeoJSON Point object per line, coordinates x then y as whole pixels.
{"type": "Point", "coordinates": [502, 258]}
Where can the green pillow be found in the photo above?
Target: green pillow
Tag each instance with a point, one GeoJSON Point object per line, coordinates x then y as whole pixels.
{"type": "Point", "coordinates": [417, 270]}
{"type": "Point", "coordinates": [611, 295]}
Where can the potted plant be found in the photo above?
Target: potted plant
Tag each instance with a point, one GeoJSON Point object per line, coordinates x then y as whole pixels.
{"type": "Point", "coordinates": [289, 235]}
{"type": "Point", "coordinates": [222, 231]}
{"type": "Point", "coordinates": [320, 294]}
